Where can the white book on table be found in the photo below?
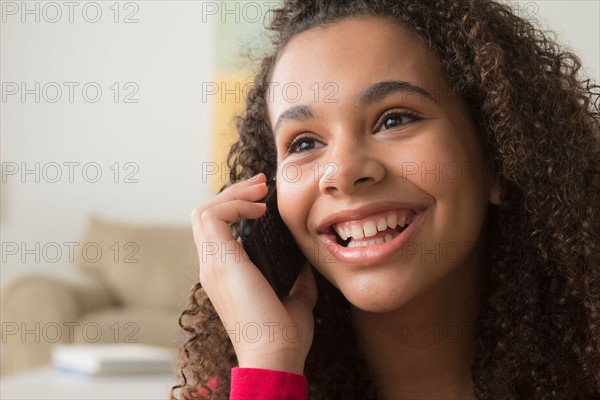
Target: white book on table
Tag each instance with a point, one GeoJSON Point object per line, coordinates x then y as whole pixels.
{"type": "Point", "coordinates": [113, 359]}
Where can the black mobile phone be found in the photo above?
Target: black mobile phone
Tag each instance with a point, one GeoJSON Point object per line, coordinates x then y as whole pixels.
{"type": "Point", "coordinates": [271, 246]}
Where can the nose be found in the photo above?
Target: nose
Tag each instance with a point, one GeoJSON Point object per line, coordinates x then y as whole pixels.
{"type": "Point", "coordinates": [352, 167]}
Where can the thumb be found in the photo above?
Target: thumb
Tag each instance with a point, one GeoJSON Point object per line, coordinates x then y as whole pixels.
{"type": "Point", "coordinates": [304, 290]}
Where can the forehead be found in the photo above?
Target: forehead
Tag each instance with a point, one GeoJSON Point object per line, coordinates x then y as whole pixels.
{"type": "Point", "coordinates": [351, 55]}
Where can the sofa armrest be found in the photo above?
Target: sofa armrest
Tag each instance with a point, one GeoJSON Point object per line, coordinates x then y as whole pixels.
{"type": "Point", "coordinates": [92, 295]}
{"type": "Point", "coordinates": [39, 311]}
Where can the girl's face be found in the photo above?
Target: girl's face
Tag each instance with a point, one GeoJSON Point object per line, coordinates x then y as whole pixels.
{"type": "Point", "coordinates": [381, 176]}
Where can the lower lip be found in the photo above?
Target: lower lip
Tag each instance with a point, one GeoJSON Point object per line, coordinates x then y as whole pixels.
{"type": "Point", "coordinates": [373, 253]}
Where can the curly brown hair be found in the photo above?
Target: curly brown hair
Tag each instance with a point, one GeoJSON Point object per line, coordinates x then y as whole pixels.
{"type": "Point", "coordinates": [538, 331]}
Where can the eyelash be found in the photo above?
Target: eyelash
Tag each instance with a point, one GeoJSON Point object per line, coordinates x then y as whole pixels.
{"type": "Point", "coordinates": [406, 113]}
{"type": "Point", "coordinates": [295, 141]}
{"type": "Point", "coordinates": [305, 137]}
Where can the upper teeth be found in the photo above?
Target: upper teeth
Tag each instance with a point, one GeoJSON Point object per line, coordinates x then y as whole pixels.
{"type": "Point", "coordinates": [369, 226]}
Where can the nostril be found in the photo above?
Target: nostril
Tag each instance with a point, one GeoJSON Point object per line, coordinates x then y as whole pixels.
{"type": "Point", "coordinates": [361, 180]}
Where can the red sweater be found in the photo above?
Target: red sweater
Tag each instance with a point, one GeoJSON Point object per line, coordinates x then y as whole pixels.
{"type": "Point", "coordinates": [258, 383]}
{"type": "Point", "coordinates": [267, 384]}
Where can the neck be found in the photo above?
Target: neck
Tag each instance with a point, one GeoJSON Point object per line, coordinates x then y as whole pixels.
{"type": "Point", "coordinates": [425, 349]}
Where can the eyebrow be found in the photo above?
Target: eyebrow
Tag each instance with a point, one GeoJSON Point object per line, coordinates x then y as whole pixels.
{"type": "Point", "coordinates": [373, 94]}
{"type": "Point", "coordinates": [381, 90]}
{"type": "Point", "coordinates": [296, 113]}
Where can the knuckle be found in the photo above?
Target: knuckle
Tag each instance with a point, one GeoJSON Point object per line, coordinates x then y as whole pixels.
{"type": "Point", "coordinates": [197, 213]}
{"type": "Point", "coordinates": [206, 216]}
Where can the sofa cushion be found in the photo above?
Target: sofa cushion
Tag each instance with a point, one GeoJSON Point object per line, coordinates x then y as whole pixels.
{"type": "Point", "coordinates": [142, 265]}
{"type": "Point", "coordinates": [129, 325]}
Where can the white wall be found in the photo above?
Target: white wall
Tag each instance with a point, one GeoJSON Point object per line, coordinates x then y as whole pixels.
{"type": "Point", "coordinates": [168, 53]}
{"type": "Point", "coordinates": [576, 22]}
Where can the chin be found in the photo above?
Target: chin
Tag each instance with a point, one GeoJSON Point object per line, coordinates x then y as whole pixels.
{"type": "Point", "coordinates": [378, 297]}
{"type": "Point", "coordinates": [375, 307]}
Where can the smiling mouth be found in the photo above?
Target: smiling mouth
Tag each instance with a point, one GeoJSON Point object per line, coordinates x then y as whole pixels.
{"type": "Point", "coordinates": [377, 229]}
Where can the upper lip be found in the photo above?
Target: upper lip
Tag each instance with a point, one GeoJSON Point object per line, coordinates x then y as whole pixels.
{"type": "Point", "coordinates": [364, 211]}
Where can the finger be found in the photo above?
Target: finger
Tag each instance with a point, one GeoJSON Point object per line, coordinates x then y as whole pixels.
{"type": "Point", "coordinates": [252, 189]}
{"type": "Point", "coordinates": [241, 191]}
{"type": "Point", "coordinates": [214, 222]}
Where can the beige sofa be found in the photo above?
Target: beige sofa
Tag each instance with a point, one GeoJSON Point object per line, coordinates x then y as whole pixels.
{"type": "Point", "coordinates": [133, 292]}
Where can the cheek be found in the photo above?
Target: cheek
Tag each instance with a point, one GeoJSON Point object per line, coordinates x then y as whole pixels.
{"type": "Point", "coordinates": [450, 170]}
{"type": "Point", "coordinates": [294, 196]}
{"type": "Point", "coordinates": [443, 164]}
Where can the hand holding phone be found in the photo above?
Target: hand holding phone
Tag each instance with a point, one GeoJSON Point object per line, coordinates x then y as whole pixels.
{"type": "Point", "coordinates": [238, 290]}
{"type": "Point", "coordinates": [271, 246]}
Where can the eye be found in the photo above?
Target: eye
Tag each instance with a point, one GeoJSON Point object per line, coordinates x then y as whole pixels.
{"type": "Point", "coordinates": [302, 143]}
{"type": "Point", "coordinates": [393, 119]}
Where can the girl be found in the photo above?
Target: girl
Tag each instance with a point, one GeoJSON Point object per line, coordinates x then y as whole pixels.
{"type": "Point", "coordinates": [438, 165]}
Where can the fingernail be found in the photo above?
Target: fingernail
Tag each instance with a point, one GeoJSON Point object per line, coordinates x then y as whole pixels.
{"type": "Point", "coordinates": [255, 177]}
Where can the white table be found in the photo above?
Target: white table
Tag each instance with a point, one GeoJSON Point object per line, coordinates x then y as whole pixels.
{"type": "Point", "coordinates": [45, 383]}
